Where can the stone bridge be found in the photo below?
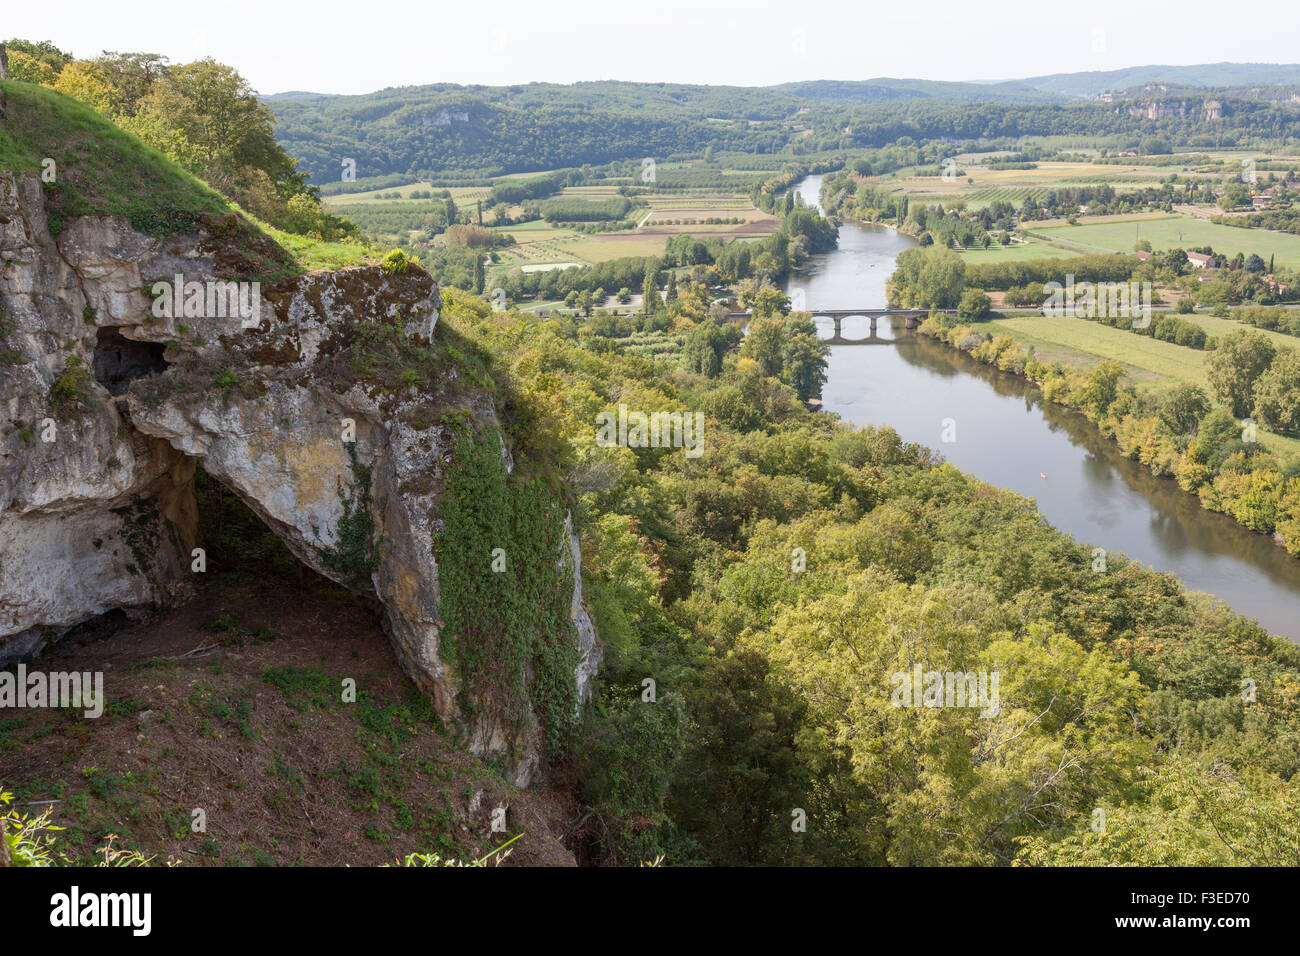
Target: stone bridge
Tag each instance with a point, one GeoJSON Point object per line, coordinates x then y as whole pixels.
{"type": "Point", "coordinates": [911, 319]}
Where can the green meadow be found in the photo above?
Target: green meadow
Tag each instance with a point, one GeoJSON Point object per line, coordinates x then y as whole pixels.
{"type": "Point", "coordinates": [1182, 232]}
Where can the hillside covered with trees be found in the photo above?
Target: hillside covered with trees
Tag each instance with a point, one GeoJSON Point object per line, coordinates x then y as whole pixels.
{"type": "Point", "coordinates": [444, 131]}
{"type": "Point", "coordinates": [203, 116]}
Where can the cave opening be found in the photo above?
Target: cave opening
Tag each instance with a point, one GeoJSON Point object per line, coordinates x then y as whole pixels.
{"type": "Point", "coordinates": [118, 361]}
{"type": "Point", "coordinates": [238, 542]}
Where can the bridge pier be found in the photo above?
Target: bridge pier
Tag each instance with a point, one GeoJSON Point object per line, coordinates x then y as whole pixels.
{"type": "Point", "coordinates": [839, 319]}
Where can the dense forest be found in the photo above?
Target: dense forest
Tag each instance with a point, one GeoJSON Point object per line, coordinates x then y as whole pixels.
{"type": "Point", "coordinates": [431, 131]}
{"type": "Point", "coordinates": [773, 588]}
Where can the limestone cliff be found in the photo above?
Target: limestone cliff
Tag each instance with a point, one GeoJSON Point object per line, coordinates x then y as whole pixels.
{"type": "Point", "coordinates": [1200, 108]}
{"type": "Point", "coordinates": [111, 391]}
{"type": "Point", "coordinates": [93, 514]}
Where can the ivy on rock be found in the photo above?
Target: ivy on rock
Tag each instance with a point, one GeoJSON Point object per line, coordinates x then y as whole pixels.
{"type": "Point", "coordinates": [508, 634]}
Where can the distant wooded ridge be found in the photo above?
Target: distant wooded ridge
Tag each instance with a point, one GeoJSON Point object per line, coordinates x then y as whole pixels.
{"type": "Point", "coordinates": [447, 131]}
{"type": "Point", "coordinates": [1055, 87]}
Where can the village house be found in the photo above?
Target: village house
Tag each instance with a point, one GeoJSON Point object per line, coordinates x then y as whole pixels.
{"type": "Point", "coordinates": [1199, 260]}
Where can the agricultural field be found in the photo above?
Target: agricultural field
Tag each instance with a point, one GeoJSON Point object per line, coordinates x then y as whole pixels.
{"type": "Point", "coordinates": [1218, 327]}
{"type": "Point", "coordinates": [670, 214]}
{"type": "Point", "coordinates": [1148, 362]}
{"type": "Point", "coordinates": [686, 175]}
{"type": "Point", "coordinates": [1179, 231]}
{"type": "Point", "coordinates": [392, 214]}
{"type": "Point", "coordinates": [538, 246]}
{"type": "Point", "coordinates": [463, 195]}
{"type": "Point", "coordinates": [1131, 217]}
{"type": "Point", "coordinates": [979, 186]}
{"type": "Point", "coordinates": [1232, 158]}
{"type": "Point", "coordinates": [1088, 343]}
{"type": "Point", "coordinates": [986, 186]}
{"type": "Point", "coordinates": [595, 249]}
{"type": "Point", "coordinates": [1016, 252]}
{"type": "Point", "coordinates": [692, 194]}
{"type": "Point", "coordinates": [700, 208]}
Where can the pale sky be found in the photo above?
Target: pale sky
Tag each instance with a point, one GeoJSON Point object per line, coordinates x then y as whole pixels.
{"type": "Point", "coordinates": [345, 46]}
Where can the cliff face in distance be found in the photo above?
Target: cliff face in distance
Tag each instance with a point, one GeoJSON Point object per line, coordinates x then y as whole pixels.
{"type": "Point", "coordinates": [321, 399]}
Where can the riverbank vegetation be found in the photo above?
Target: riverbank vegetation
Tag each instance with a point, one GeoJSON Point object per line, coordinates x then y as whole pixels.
{"type": "Point", "coordinates": [770, 590]}
{"type": "Point", "coordinates": [1214, 451]}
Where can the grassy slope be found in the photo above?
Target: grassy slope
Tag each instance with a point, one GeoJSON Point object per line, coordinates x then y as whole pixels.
{"type": "Point", "coordinates": [1161, 359]}
{"type": "Point", "coordinates": [103, 170]}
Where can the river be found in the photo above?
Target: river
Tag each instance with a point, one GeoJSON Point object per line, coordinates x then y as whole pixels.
{"type": "Point", "coordinates": [1008, 436]}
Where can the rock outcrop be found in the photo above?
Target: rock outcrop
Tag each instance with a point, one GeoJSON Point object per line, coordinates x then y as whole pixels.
{"type": "Point", "coordinates": [93, 514]}
{"type": "Point", "coordinates": [119, 373]}
{"type": "Point", "coordinates": [590, 650]}
{"type": "Point", "coordinates": [1199, 108]}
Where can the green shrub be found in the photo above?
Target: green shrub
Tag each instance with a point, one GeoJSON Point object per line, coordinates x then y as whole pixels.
{"type": "Point", "coordinates": [71, 389]}
{"type": "Point", "coordinates": [394, 263]}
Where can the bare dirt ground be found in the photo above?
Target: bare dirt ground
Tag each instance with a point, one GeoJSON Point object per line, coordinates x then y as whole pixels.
{"type": "Point", "coordinates": [232, 705]}
{"type": "Point", "coordinates": [760, 228]}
